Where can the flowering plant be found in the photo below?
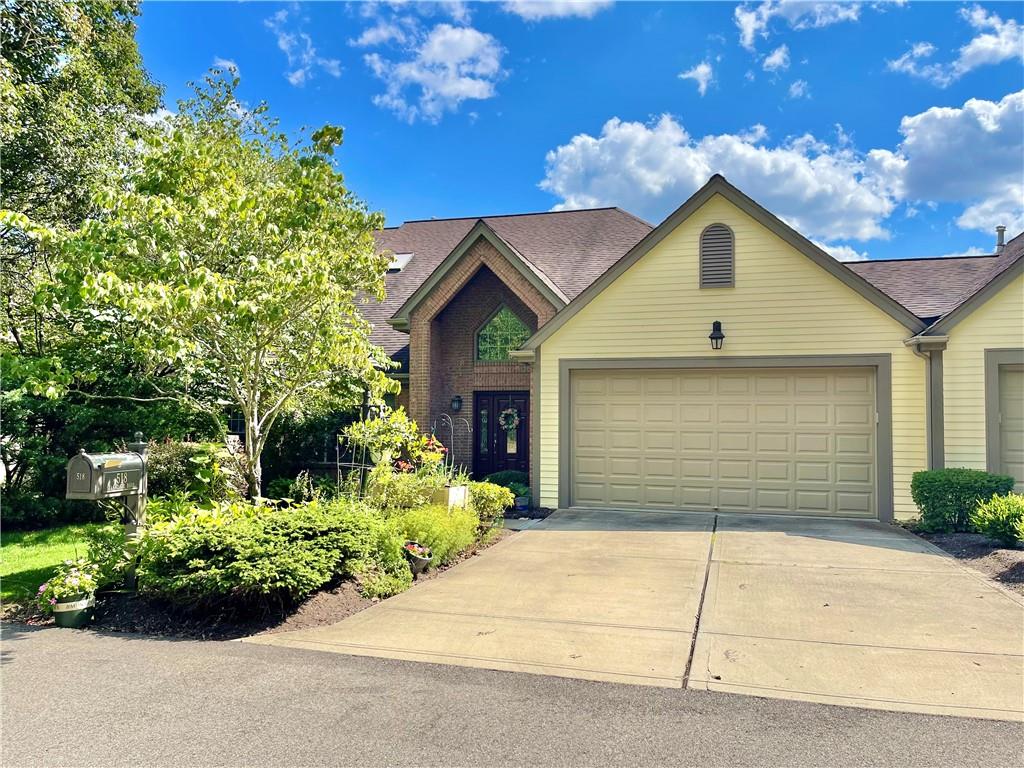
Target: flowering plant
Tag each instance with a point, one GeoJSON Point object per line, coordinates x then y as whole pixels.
{"type": "Point", "coordinates": [73, 577]}
{"type": "Point", "coordinates": [417, 549]}
{"type": "Point", "coordinates": [508, 419]}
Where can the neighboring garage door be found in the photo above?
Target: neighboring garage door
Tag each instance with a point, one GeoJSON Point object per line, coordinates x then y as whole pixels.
{"type": "Point", "coordinates": [796, 441]}
{"type": "Point", "coordinates": [1011, 422]}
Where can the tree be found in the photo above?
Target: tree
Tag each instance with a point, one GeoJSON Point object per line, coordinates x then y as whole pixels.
{"type": "Point", "coordinates": [238, 257]}
{"type": "Point", "coordinates": [74, 100]}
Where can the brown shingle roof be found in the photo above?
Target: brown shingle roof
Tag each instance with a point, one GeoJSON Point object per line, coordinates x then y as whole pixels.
{"type": "Point", "coordinates": [931, 288]}
{"type": "Point", "coordinates": [572, 248]}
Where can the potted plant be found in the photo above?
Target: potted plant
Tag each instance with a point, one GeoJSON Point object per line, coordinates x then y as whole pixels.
{"type": "Point", "coordinates": [70, 595]}
{"type": "Point", "coordinates": [522, 494]}
{"type": "Point", "coordinates": [419, 556]}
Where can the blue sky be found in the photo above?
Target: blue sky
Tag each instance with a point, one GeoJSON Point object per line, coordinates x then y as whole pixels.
{"type": "Point", "coordinates": [880, 130]}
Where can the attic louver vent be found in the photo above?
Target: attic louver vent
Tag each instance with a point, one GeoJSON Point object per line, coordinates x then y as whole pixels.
{"type": "Point", "coordinates": [716, 257]}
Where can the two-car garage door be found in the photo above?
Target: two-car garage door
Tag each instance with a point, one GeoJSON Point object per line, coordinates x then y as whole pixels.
{"type": "Point", "coordinates": [793, 441]}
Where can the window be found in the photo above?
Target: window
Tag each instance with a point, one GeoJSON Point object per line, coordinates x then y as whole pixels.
{"type": "Point", "coordinates": [501, 334]}
{"type": "Point", "coordinates": [716, 257]}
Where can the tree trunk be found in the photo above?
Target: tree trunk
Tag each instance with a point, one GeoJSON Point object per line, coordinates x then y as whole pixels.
{"type": "Point", "coordinates": [254, 476]}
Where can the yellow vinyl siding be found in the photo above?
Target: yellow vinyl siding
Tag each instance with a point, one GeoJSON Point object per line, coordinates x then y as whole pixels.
{"type": "Point", "coordinates": [996, 324]}
{"type": "Point", "coordinates": [782, 304]}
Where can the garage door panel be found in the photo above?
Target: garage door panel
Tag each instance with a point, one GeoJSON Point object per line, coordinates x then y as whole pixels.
{"type": "Point", "coordinates": [813, 444]}
{"type": "Point", "coordinates": [787, 440]}
{"type": "Point", "coordinates": [733, 413]}
{"type": "Point", "coordinates": [619, 439]}
{"type": "Point", "coordinates": [692, 441]}
{"type": "Point", "coordinates": [812, 471]}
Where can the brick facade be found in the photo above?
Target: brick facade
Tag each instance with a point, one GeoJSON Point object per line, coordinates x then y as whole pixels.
{"type": "Point", "coordinates": [442, 342]}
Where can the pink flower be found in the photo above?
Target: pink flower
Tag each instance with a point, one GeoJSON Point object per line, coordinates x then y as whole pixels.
{"type": "Point", "coordinates": [42, 588]}
{"type": "Point", "coordinates": [53, 601]}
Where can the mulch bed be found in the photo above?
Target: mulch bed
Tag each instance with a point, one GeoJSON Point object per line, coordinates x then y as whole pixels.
{"type": "Point", "coordinates": [126, 612]}
{"type": "Point", "coordinates": [993, 559]}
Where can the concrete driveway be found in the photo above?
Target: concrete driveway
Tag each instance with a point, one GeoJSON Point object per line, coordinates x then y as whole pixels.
{"type": "Point", "coordinates": [844, 612]}
{"type": "Point", "coordinates": [593, 595]}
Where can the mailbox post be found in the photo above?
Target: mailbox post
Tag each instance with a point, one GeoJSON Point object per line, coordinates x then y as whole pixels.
{"type": "Point", "coordinates": [101, 476]}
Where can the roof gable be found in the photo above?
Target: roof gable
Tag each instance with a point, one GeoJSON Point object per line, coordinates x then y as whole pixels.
{"type": "Point", "coordinates": [718, 185]}
{"type": "Point", "coordinates": [480, 230]}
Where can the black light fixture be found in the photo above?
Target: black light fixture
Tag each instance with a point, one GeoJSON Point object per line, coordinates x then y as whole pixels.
{"type": "Point", "coordinates": [717, 337]}
{"type": "Point", "coordinates": [456, 403]}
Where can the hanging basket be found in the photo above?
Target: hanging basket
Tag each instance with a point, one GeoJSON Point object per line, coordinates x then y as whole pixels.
{"type": "Point", "coordinates": [508, 419]}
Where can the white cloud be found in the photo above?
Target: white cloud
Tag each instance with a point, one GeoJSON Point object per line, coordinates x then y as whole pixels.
{"type": "Point", "coordinates": [652, 168]}
{"type": "Point", "coordinates": [451, 65]}
{"type": "Point", "coordinates": [777, 60]}
{"type": "Point", "coordinates": [534, 10]}
{"type": "Point", "coordinates": [842, 252]}
{"type": "Point", "coordinates": [228, 65]}
{"type": "Point", "coordinates": [299, 50]}
{"type": "Point", "coordinates": [700, 74]}
{"type": "Point", "coordinates": [755, 21]}
{"type": "Point", "coordinates": [969, 156]}
{"type": "Point", "coordinates": [997, 41]}
{"type": "Point", "coordinates": [799, 89]}
{"type": "Point", "coordinates": [380, 33]}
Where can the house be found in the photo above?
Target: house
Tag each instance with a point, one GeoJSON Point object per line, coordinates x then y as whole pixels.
{"type": "Point", "coordinates": [717, 361]}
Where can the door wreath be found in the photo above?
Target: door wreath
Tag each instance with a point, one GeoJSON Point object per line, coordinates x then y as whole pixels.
{"type": "Point", "coordinates": [508, 419]}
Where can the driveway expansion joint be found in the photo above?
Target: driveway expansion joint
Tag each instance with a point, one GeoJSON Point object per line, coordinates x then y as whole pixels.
{"type": "Point", "coordinates": [700, 602]}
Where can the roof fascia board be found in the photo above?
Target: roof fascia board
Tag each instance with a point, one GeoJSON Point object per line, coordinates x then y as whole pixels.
{"type": "Point", "coordinates": [979, 297]}
{"type": "Point", "coordinates": [718, 185]}
{"type": "Point", "coordinates": [400, 320]}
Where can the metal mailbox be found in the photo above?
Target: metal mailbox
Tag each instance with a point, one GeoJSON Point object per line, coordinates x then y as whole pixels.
{"type": "Point", "coordinates": [106, 475]}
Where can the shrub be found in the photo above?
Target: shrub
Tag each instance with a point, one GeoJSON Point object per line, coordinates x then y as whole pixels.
{"type": "Point", "coordinates": [1001, 518]}
{"type": "Point", "coordinates": [489, 501]}
{"type": "Point", "coordinates": [305, 487]}
{"type": "Point", "coordinates": [518, 489]}
{"type": "Point", "coordinates": [402, 490]}
{"type": "Point", "coordinates": [447, 532]}
{"type": "Point", "coordinates": [108, 551]}
{"type": "Point", "coordinates": [244, 556]}
{"type": "Point", "coordinates": [946, 497]}
{"type": "Point", "coordinates": [30, 509]}
{"type": "Point", "coordinates": [508, 477]}
{"type": "Point", "coordinates": [205, 471]}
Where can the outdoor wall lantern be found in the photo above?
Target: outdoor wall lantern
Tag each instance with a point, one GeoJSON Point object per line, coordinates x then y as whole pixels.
{"type": "Point", "coordinates": [456, 403]}
{"type": "Point", "coordinates": [717, 337]}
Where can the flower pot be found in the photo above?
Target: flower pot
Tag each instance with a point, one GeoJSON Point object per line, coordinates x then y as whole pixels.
{"type": "Point", "coordinates": [417, 563]}
{"type": "Point", "coordinates": [74, 611]}
{"type": "Point", "coordinates": [452, 496]}
{"type": "Point", "coordinates": [522, 503]}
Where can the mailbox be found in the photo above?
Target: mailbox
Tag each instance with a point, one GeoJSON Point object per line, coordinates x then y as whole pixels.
{"type": "Point", "coordinates": [106, 475]}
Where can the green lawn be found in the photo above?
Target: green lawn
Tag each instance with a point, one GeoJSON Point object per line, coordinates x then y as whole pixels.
{"type": "Point", "coordinates": [27, 558]}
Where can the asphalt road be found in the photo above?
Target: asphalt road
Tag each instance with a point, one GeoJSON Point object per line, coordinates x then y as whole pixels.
{"type": "Point", "coordinates": [77, 698]}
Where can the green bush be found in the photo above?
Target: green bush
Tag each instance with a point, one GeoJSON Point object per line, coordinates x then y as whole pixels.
{"type": "Point", "coordinates": [518, 489]}
{"type": "Point", "coordinates": [507, 478]}
{"type": "Point", "coordinates": [29, 509]}
{"type": "Point", "coordinates": [447, 532]}
{"type": "Point", "coordinates": [391, 490]}
{"type": "Point", "coordinates": [243, 556]}
{"type": "Point", "coordinates": [1001, 518]}
{"type": "Point", "coordinates": [946, 497]}
{"type": "Point", "coordinates": [107, 550]}
{"type": "Point", "coordinates": [305, 487]}
{"type": "Point", "coordinates": [490, 501]}
{"type": "Point", "coordinates": [202, 470]}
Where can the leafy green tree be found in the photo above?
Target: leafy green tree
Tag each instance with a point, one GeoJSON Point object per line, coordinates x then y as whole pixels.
{"type": "Point", "coordinates": [239, 258]}
{"type": "Point", "coordinates": [74, 101]}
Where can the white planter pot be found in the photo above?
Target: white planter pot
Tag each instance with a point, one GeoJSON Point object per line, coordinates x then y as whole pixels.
{"type": "Point", "coordinates": [452, 496]}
